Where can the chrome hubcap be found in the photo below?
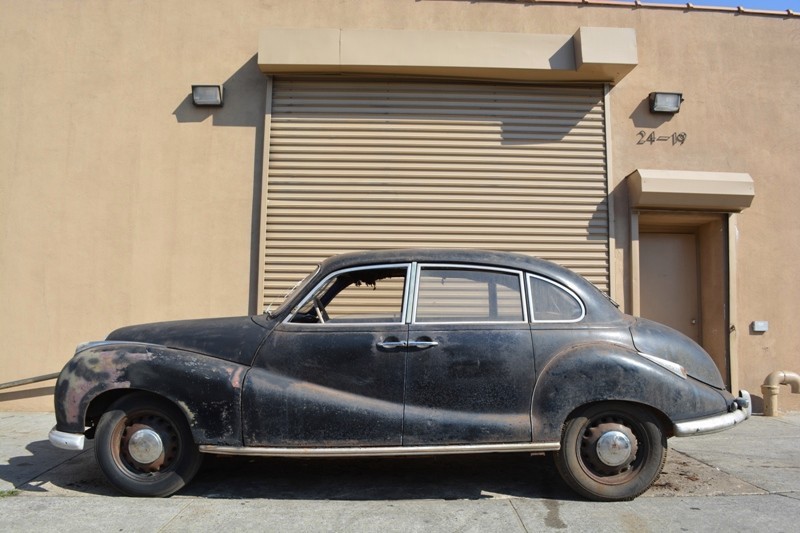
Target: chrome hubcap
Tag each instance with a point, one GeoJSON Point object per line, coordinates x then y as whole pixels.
{"type": "Point", "coordinates": [609, 447]}
{"type": "Point", "coordinates": [614, 448]}
{"type": "Point", "coordinates": [145, 446]}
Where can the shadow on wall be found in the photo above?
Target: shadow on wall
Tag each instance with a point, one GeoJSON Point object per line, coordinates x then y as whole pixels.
{"type": "Point", "coordinates": [245, 92]}
{"type": "Point", "coordinates": [244, 107]}
{"type": "Point", "coordinates": [644, 119]}
{"type": "Point", "coordinates": [599, 223]}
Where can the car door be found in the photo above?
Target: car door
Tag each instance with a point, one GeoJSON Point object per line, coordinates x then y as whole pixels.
{"type": "Point", "coordinates": [469, 369]}
{"type": "Point", "coordinates": [332, 373]}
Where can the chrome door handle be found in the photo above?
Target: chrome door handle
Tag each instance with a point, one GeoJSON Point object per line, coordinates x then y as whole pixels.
{"type": "Point", "coordinates": [422, 344]}
{"type": "Point", "coordinates": [390, 345]}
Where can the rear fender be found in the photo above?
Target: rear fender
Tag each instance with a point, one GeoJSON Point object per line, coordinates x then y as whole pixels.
{"type": "Point", "coordinates": [595, 372]}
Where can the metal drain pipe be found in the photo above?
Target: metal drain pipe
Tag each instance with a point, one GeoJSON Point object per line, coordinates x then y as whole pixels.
{"type": "Point", "coordinates": [772, 386]}
{"type": "Point", "coordinates": [27, 381]}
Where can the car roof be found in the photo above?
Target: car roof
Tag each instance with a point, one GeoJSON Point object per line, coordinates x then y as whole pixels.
{"type": "Point", "coordinates": [450, 255]}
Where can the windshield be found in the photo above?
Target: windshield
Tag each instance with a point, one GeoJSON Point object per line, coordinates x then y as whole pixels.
{"type": "Point", "coordinates": [299, 286]}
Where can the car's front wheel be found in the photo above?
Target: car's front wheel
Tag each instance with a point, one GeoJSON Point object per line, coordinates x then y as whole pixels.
{"type": "Point", "coordinates": [144, 446]}
{"type": "Point", "coordinates": [611, 451]}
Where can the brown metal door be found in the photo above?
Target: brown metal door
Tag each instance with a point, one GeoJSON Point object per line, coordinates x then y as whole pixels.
{"type": "Point", "coordinates": [669, 287]}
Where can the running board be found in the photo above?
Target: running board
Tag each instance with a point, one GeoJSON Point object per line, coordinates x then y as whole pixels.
{"type": "Point", "coordinates": [377, 451]}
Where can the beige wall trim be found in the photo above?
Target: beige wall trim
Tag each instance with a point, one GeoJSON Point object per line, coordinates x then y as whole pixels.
{"type": "Point", "coordinates": [685, 7]}
{"type": "Point", "coordinates": [733, 305]}
{"type": "Point", "coordinates": [262, 248]}
{"type": "Point", "coordinates": [615, 289]}
{"type": "Point", "coordinates": [636, 299]}
{"type": "Point", "coordinates": [679, 189]}
{"type": "Point", "coordinates": [718, 281]}
{"type": "Point", "coordinates": [605, 53]}
{"type": "Point", "coordinates": [591, 54]}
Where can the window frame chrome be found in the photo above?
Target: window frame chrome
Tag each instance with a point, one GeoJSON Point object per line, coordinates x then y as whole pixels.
{"type": "Point", "coordinates": [564, 288]}
{"type": "Point", "coordinates": [418, 274]}
{"type": "Point", "coordinates": [310, 294]}
{"type": "Point", "coordinates": [299, 286]}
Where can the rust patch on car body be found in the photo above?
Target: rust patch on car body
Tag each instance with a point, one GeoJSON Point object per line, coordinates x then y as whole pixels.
{"type": "Point", "coordinates": [206, 389]}
{"type": "Point", "coordinates": [91, 372]}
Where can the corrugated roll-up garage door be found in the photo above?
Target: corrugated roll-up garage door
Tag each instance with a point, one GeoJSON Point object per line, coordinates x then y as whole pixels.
{"type": "Point", "coordinates": [371, 164]}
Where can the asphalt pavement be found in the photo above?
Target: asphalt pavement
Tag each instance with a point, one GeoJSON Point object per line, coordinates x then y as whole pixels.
{"type": "Point", "coordinates": [744, 479]}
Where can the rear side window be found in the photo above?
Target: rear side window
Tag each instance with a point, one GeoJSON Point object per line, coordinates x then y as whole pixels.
{"type": "Point", "coordinates": [452, 294]}
{"type": "Point", "coordinates": [551, 302]}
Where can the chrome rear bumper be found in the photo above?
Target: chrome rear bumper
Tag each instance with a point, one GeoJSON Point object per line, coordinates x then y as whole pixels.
{"type": "Point", "coordinates": [717, 423]}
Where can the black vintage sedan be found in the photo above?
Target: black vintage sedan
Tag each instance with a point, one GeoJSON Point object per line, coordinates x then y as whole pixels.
{"type": "Point", "coordinates": [400, 352]}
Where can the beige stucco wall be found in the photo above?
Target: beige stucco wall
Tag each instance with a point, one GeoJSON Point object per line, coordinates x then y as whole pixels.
{"type": "Point", "coordinates": [737, 74]}
{"type": "Point", "coordinates": [122, 203]}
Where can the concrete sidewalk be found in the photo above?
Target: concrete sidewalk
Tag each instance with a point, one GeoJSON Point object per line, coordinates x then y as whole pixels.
{"type": "Point", "coordinates": [747, 478]}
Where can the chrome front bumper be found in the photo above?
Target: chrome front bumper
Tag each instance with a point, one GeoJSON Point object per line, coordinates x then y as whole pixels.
{"type": "Point", "coordinates": [717, 423]}
{"type": "Point", "coordinates": [67, 441]}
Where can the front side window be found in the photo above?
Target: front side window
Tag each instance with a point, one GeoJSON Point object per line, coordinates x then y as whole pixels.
{"type": "Point", "coordinates": [357, 296]}
{"type": "Point", "coordinates": [453, 294]}
{"type": "Point", "coordinates": [552, 302]}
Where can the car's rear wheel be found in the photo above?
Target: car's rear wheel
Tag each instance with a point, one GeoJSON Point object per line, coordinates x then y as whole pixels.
{"type": "Point", "coordinates": [144, 446]}
{"type": "Point", "coordinates": [611, 451]}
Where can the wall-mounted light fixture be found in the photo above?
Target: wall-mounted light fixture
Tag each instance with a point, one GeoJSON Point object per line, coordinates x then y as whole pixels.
{"type": "Point", "coordinates": [665, 102]}
{"type": "Point", "coordinates": [207, 95]}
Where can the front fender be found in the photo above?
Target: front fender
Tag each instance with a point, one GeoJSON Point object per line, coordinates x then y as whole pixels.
{"type": "Point", "coordinates": [594, 372]}
{"type": "Point", "coordinates": [206, 389]}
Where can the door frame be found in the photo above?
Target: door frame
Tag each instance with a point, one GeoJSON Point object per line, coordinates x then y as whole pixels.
{"type": "Point", "coordinates": [691, 222]}
{"type": "Point", "coordinates": [697, 312]}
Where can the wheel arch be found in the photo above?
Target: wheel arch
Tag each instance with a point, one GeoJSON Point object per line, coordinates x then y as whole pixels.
{"type": "Point", "coordinates": [664, 421]}
{"type": "Point", "coordinates": [103, 401]}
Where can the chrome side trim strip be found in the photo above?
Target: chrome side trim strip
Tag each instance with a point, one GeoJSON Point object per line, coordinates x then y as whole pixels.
{"type": "Point", "coordinates": [82, 347]}
{"type": "Point", "coordinates": [717, 423]}
{"type": "Point", "coordinates": [67, 441]}
{"type": "Point", "coordinates": [675, 368]}
{"type": "Point", "coordinates": [377, 451]}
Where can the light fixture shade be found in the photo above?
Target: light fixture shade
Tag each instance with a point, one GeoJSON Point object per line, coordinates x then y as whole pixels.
{"type": "Point", "coordinates": [207, 95]}
{"type": "Point", "coordinates": [665, 102]}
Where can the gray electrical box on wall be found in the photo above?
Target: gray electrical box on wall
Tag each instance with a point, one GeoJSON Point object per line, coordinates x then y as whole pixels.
{"type": "Point", "coordinates": [760, 326]}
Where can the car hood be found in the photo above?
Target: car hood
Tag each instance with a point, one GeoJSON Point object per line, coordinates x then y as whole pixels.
{"type": "Point", "coordinates": [232, 339]}
{"type": "Point", "coordinates": [661, 341]}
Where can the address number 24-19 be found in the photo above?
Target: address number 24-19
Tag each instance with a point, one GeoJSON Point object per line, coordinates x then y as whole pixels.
{"type": "Point", "coordinates": [652, 138]}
